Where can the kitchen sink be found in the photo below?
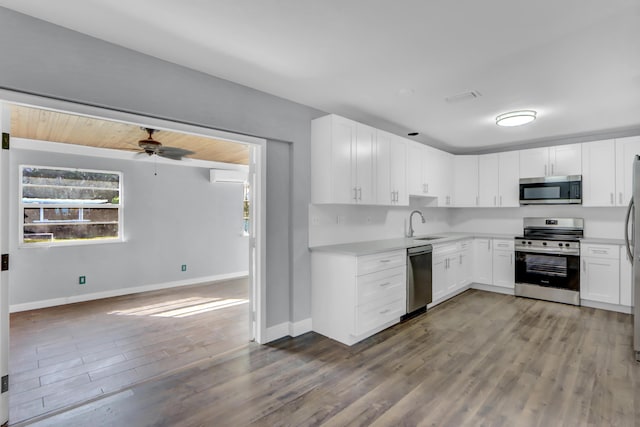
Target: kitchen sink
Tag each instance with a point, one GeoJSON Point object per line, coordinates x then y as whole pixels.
{"type": "Point", "coordinates": [428, 238]}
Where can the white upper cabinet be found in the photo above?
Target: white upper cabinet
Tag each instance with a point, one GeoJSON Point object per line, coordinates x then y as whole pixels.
{"type": "Point", "coordinates": [465, 181]}
{"type": "Point", "coordinates": [551, 161]}
{"type": "Point", "coordinates": [498, 180]}
{"type": "Point", "coordinates": [599, 173]}
{"type": "Point", "coordinates": [626, 150]}
{"type": "Point", "coordinates": [414, 168]}
{"type": "Point", "coordinates": [488, 180]}
{"type": "Point", "coordinates": [442, 180]}
{"type": "Point", "coordinates": [391, 178]}
{"type": "Point", "coordinates": [362, 174]}
{"type": "Point", "coordinates": [508, 179]}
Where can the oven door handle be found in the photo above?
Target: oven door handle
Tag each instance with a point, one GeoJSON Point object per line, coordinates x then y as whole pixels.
{"type": "Point", "coordinates": [626, 229]}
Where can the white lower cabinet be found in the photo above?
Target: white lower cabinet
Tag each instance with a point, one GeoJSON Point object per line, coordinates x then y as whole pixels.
{"type": "Point", "coordinates": [626, 278]}
{"type": "Point", "coordinates": [452, 268]}
{"type": "Point", "coordinates": [503, 263]}
{"type": "Point", "coordinates": [483, 261]}
{"type": "Point", "coordinates": [354, 297]}
{"type": "Point", "coordinates": [600, 273]}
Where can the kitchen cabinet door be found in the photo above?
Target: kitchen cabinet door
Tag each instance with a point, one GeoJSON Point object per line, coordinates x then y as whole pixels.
{"type": "Point", "coordinates": [534, 162]}
{"type": "Point", "coordinates": [399, 171]}
{"type": "Point", "coordinates": [464, 273]}
{"type": "Point", "coordinates": [599, 173]}
{"type": "Point", "coordinates": [465, 181]}
{"type": "Point", "coordinates": [384, 146]}
{"type": "Point", "coordinates": [430, 171]}
{"type": "Point", "coordinates": [483, 261]}
{"type": "Point", "coordinates": [600, 280]}
{"type": "Point", "coordinates": [363, 173]}
{"type": "Point", "coordinates": [443, 182]}
{"type": "Point", "coordinates": [508, 176]}
{"type": "Point", "coordinates": [441, 277]}
{"type": "Point", "coordinates": [565, 160]}
{"type": "Point", "coordinates": [626, 278]}
{"type": "Point", "coordinates": [626, 150]}
{"type": "Point", "coordinates": [503, 269]}
{"type": "Point", "coordinates": [414, 168]}
{"type": "Point", "coordinates": [488, 180]}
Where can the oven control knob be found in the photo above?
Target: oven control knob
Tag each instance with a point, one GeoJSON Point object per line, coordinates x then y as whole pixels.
{"type": "Point", "coordinates": [544, 243]}
{"type": "Point", "coordinates": [560, 244]}
{"type": "Point", "coordinates": [566, 244]}
{"type": "Point", "coordinates": [528, 243]}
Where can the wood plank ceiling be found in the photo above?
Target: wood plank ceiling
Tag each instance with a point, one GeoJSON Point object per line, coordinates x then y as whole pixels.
{"type": "Point", "coordinates": [46, 125]}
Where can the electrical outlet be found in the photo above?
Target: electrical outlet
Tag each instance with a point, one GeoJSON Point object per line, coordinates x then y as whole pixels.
{"type": "Point", "coordinates": [82, 280]}
{"type": "Point", "coordinates": [184, 267]}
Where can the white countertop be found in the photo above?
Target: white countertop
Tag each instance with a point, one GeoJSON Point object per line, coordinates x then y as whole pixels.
{"type": "Point", "coordinates": [376, 246]}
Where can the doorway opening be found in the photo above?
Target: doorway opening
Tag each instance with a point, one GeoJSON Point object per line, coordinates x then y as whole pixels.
{"type": "Point", "coordinates": [157, 317]}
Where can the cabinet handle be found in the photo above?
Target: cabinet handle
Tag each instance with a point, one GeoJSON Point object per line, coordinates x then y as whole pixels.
{"type": "Point", "coordinates": [500, 200]}
{"type": "Point", "coordinates": [397, 195]}
{"type": "Point", "coordinates": [393, 196]}
{"type": "Point", "coordinates": [600, 251]}
{"type": "Point", "coordinates": [460, 259]}
{"type": "Point", "coordinates": [385, 260]}
{"type": "Point", "coordinates": [584, 265]}
{"type": "Point", "coordinates": [359, 193]}
{"type": "Point", "coordinates": [382, 285]}
{"type": "Point", "coordinates": [385, 311]}
{"type": "Point", "coordinates": [620, 198]}
{"type": "Point", "coordinates": [511, 259]}
{"type": "Point", "coordinates": [355, 193]}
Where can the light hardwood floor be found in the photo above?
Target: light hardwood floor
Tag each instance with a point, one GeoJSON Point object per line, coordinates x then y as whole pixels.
{"type": "Point", "coordinates": [480, 359]}
{"type": "Point", "coordinates": [66, 355]}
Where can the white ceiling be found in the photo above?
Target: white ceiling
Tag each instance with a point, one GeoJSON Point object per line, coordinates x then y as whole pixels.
{"type": "Point", "coordinates": [393, 63]}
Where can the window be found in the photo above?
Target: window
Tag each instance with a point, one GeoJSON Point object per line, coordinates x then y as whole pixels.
{"type": "Point", "coordinates": [245, 209]}
{"type": "Point", "coordinates": [62, 206]}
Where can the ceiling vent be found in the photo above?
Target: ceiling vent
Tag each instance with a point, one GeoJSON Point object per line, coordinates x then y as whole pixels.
{"type": "Point", "coordinates": [466, 96]}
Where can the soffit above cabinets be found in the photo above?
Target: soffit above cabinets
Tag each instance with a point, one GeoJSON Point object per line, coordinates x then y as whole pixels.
{"type": "Point", "coordinates": [52, 126]}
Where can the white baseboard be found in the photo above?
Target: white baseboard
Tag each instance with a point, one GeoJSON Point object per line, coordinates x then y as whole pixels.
{"type": "Point", "coordinates": [284, 329]}
{"type": "Point", "coordinates": [606, 306]}
{"type": "Point", "coordinates": [14, 308]}
{"type": "Point", "coordinates": [491, 288]}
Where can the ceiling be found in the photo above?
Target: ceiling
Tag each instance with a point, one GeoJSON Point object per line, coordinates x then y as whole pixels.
{"type": "Point", "coordinates": [394, 64]}
{"type": "Point", "coordinates": [52, 126]}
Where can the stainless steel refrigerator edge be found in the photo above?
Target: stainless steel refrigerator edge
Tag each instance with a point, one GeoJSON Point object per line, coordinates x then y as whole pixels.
{"type": "Point", "coordinates": [634, 254]}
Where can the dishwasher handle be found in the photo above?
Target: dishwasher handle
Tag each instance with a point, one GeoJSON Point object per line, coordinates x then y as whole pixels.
{"type": "Point", "coordinates": [420, 250]}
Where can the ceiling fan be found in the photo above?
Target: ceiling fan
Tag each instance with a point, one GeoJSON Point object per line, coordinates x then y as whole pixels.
{"type": "Point", "coordinates": [151, 147]}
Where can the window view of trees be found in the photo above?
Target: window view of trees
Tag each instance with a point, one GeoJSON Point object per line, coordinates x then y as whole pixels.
{"type": "Point", "coordinates": [62, 205]}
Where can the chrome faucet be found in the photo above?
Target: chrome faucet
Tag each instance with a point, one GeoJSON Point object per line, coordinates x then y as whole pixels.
{"type": "Point", "coordinates": [410, 234]}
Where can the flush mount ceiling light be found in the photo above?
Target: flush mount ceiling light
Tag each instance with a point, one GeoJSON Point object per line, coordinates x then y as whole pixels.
{"type": "Point", "coordinates": [516, 118]}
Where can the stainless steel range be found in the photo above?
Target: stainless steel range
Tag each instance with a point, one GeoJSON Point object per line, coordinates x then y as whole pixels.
{"type": "Point", "coordinates": [548, 259]}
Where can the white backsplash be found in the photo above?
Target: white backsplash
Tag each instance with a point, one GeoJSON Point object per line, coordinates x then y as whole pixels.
{"type": "Point", "coordinates": [333, 224]}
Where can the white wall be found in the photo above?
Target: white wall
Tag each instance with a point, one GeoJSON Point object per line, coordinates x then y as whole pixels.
{"type": "Point", "coordinates": [598, 222]}
{"type": "Point", "coordinates": [334, 224]}
{"type": "Point", "coordinates": [175, 217]}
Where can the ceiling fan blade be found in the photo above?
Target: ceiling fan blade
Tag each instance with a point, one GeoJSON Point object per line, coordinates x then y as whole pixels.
{"type": "Point", "coordinates": [173, 153]}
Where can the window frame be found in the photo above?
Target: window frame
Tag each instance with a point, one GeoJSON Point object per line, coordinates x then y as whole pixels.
{"type": "Point", "coordinates": [70, 242]}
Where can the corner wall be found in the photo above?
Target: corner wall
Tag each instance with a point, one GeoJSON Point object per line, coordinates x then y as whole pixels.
{"type": "Point", "coordinates": [48, 60]}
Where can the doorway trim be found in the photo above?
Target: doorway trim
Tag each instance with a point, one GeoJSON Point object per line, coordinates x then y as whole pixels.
{"type": "Point", "coordinates": [257, 277]}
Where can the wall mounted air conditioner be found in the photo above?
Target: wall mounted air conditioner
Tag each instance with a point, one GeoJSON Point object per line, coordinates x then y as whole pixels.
{"type": "Point", "coordinates": [228, 176]}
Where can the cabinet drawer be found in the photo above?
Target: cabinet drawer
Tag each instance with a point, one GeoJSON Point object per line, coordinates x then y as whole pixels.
{"type": "Point", "coordinates": [377, 313]}
{"type": "Point", "coordinates": [503, 245]}
{"type": "Point", "coordinates": [382, 261]}
{"type": "Point", "coordinates": [465, 244]}
{"type": "Point", "coordinates": [385, 285]}
{"type": "Point", "coordinates": [600, 251]}
{"type": "Point", "coordinates": [448, 248]}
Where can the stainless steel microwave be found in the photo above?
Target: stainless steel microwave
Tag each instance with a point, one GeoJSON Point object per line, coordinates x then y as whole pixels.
{"type": "Point", "coordinates": [551, 190]}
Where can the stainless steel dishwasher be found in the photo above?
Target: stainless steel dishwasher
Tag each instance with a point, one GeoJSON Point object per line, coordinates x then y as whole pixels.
{"type": "Point", "coordinates": [419, 280]}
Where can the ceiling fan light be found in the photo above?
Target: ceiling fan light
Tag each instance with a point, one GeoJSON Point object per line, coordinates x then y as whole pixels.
{"type": "Point", "coordinates": [516, 118]}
